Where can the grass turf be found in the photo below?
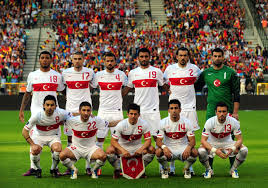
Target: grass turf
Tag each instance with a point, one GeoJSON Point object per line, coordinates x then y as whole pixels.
{"type": "Point", "coordinates": [14, 160]}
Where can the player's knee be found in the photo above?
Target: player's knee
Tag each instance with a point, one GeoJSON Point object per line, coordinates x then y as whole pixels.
{"type": "Point", "coordinates": [194, 152]}
{"type": "Point", "coordinates": [158, 152]}
{"type": "Point", "coordinates": [110, 150]}
{"type": "Point", "coordinates": [62, 156]}
{"type": "Point", "coordinates": [36, 150]}
{"type": "Point", "coordinates": [202, 152]}
{"type": "Point", "coordinates": [244, 151]}
{"type": "Point", "coordinates": [100, 139]}
{"type": "Point", "coordinates": [103, 157]}
{"type": "Point", "coordinates": [57, 148]}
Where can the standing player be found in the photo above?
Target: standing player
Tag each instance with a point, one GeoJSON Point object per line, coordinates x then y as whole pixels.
{"type": "Point", "coordinates": [179, 140]}
{"type": "Point", "coordinates": [126, 140]}
{"type": "Point", "coordinates": [216, 140]}
{"type": "Point", "coordinates": [223, 85]}
{"type": "Point", "coordinates": [40, 83]}
{"type": "Point", "coordinates": [146, 79]}
{"type": "Point", "coordinates": [181, 77]}
{"type": "Point", "coordinates": [47, 123]}
{"type": "Point", "coordinates": [84, 129]}
{"type": "Point", "coordinates": [77, 80]}
{"type": "Point", "coordinates": [110, 81]}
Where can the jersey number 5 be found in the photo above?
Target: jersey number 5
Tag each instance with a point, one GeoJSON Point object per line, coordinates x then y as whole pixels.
{"type": "Point", "coordinates": [139, 129]}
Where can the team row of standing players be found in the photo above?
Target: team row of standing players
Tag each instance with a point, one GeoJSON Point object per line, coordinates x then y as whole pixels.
{"type": "Point", "coordinates": [178, 79]}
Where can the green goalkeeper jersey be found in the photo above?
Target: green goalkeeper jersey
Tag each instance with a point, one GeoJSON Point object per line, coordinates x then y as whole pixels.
{"type": "Point", "coordinates": [223, 85]}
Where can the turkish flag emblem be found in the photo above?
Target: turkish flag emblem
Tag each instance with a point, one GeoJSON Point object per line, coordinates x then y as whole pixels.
{"type": "Point", "coordinates": [217, 83]}
{"type": "Point", "coordinates": [133, 167]}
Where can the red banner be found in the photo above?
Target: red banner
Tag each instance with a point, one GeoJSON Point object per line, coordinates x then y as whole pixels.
{"type": "Point", "coordinates": [133, 167]}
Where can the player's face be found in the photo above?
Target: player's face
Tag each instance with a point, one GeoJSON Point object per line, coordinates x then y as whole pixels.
{"type": "Point", "coordinates": [49, 107]}
{"type": "Point", "coordinates": [78, 61]}
{"type": "Point", "coordinates": [144, 58]}
{"type": "Point", "coordinates": [133, 116]}
{"type": "Point", "coordinates": [174, 111]}
{"type": "Point", "coordinates": [217, 59]}
{"type": "Point", "coordinates": [85, 112]}
{"type": "Point", "coordinates": [45, 61]}
{"type": "Point", "coordinates": [221, 113]}
{"type": "Point", "coordinates": [110, 62]}
{"type": "Point", "coordinates": [183, 57]}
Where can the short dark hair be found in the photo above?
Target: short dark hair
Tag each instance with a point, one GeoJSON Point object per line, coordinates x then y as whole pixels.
{"type": "Point", "coordinates": [85, 103]}
{"type": "Point", "coordinates": [109, 54]}
{"type": "Point", "coordinates": [183, 49]}
{"type": "Point", "coordinates": [133, 106]}
{"type": "Point", "coordinates": [45, 52]}
{"type": "Point", "coordinates": [221, 104]}
{"type": "Point", "coordinates": [78, 53]}
{"type": "Point", "coordinates": [144, 50]}
{"type": "Point", "coordinates": [50, 97]}
{"type": "Point", "coordinates": [218, 50]}
{"type": "Point", "coordinates": [174, 101]}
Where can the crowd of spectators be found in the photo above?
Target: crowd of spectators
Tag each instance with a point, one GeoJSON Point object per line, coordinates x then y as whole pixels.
{"type": "Point", "coordinates": [262, 10]}
{"type": "Point", "coordinates": [16, 16]}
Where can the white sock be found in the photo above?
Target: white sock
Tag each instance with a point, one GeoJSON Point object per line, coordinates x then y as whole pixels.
{"type": "Point", "coordinates": [55, 160]}
{"type": "Point", "coordinates": [203, 158]}
{"type": "Point", "coordinates": [147, 158]}
{"type": "Point", "coordinates": [240, 158]}
{"type": "Point", "coordinates": [98, 164]}
{"type": "Point", "coordinates": [114, 161]}
{"type": "Point", "coordinates": [100, 144]}
{"type": "Point", "coordinates": [68, 163]}
{"type": "Point", "coordinates": [172, 166]}
{"type": "Point", "coordinates": [191, 169]}
{"type": "Point", "coordinates": [36, 161]}
{"type": "Point", "coordinates": [189, 161]}
{"type": "Point", "coordinates": [163, 161]}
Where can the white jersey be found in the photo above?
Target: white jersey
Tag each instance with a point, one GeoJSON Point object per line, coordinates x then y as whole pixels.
{"type": "Point", "coordinates": [129, 136]}
{"type": "Point", "coordinates": [47, 125]}
{"type": "Point", "coordinates": [145, 82]}
{"type": "Point", "coordinates": [110, 89]}
{"type": "Point", "coordinates": [42, 84]}
{"type": "Point", "coordinates": [221, 132]}
{"type": "Point", "coordinates": [181, 82]}
{"type": "Point", "coordinates": [84, 133]}
{"type": "Point", "coordinates": [175, 133]}
{"type": "Point", "coordinates": [77, 87]}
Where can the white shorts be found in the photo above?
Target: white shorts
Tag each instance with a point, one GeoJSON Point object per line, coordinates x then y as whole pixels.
{"type": "Point", "coordinates": [177, 153]}
{"type": "Point", "coordinates": [67, 132]}
{"type": "Point", "coordinates": [153, 119]}
{"type": "Point", "coordinates": [192, 116]}
{"type": "Point", "coordinates": [82, 152]}
{"type": "Point", "coordinates": [131, 149]}
{"type": "Point", "coordinates": [109, 116]}
{"type": "Point", "coordinates": [46, 140]}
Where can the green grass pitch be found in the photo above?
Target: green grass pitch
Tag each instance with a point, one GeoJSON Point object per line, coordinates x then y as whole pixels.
{"type": "Point", "coordinates": [14, 160]}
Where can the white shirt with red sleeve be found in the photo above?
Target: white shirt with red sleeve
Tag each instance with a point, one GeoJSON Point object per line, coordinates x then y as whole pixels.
{"type": "Point", "coordinates": [42, 84]}
{"type": "Point", "coordinates": [84, 133]}
{"type": "Point", "coordinates": [110, 89]}
{"type": "Point", "coordinates": [221, 132]}
{"type": "Point", "coordinates": [129, 136]}
{"type": "Point", "coordinates": [175, 133]}
{"type": "Point", "coordinates": [47, 125]}
{"type": "Point", "coordinates": [78, 87]}
{"type": "Point", "coordinates": [146, 82]}
{"type": "Point", "coordinates": [181, 81]}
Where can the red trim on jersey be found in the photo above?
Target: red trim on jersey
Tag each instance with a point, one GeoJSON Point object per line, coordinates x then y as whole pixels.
{"type": "Point", "coordinates": [131, 137]}
{"type": "Point", "coordinates": [145, 83]}
{"type": "Point", "coordinates": [45, 87]}
{"type": "Point", "coordinates": [220, 135]}
{"type": "Point", "coordinates": [49, 127]}
{"type": "Point", "coordinates": [147, 135]}
{"type": "Point", "coordinates": [77, 84]}
{"type": "Point", "coordinates": [85, 134]}
{"type": "Point", "coordinates": [182, 81]}
{"type": "Point", "coordinates": [110, 85]}
{"type": "Point", "coordinates": [175, 135]}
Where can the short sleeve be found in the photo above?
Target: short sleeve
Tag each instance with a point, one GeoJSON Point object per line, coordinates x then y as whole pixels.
{"type": "Point", "coordinates": [102, 125]}
{"type": "Point", "coordinates": [190, 130]}
{"type": "Point", "coordinates": [32, 122]}
{"type": "Point", "coordinates": [161, 131]}
{"type": "Point", "coordinates": [29, 87]}
{"type": "Point", "coordinates": [165, 76]}
{"type": "Point", "coordinates": [236, 130]}
{"type": "Point", "coordinates": [146, 131]}
{"type": "Point", "coordinates": [63, 77]}
{"type": "Point", "coordinates": [117, 131]}
{"type": "Point", "coordinates": [160, 78]}
{"type": "Point", "coordinates": [93, 79]}
{"type": "Point", "coordinates": [125, 80]}
{"type": "Point", "coordinates": [130, 79]}
{"type": "Point", "coordinates": [61, 85]}
{"type": "Point", "coordinates": [206, 130]}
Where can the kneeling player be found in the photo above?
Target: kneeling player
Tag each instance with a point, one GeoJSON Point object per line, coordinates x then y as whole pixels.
{"type": "Point", "coordinates": [47, 124]}
{"type": "Point", "coordinates": [84, 129]}
{"type": "Point", "coordinates": [216, 140]}
{"type": "Point", "coordinates": [126, 140]}
{"type": "Point", "coordinates": [179, 140]}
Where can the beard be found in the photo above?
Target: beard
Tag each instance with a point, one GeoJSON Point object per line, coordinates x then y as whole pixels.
{"type": "Point", "coordinates": [144, 63]}
{"type": "Point", "coordinates": [217, 63]}
{"type": "Point", "coordinates": [45, 66]}
{"type": "Point", "coordinates": [111, 67]}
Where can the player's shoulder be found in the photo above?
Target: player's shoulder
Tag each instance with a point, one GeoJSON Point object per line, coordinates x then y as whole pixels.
{"type": "Point", "coordinates": [229, 69]}
{"type": "Point", "coordinates": [232, 120]}
{"type": "Point", "coordinates": [155, 69]}
{"type": "Point", "coordinates": [117, 71]}
{"type": "Point", "coordinates": [211, 121]}
{"type": "Point", "coordinates": [73, 119]}
{"type": "Point", "coordinates": [99, 73]}
{"type": "Point", "coordinates": [85, 69]}
{"type": "Point", "coordinates": [123, 123]}
{"type": "Point", "coordinates": [137, 69]}
{"type": "Point", "coordinates": [193, 66]}
{"type": "Point", "coordinates": [142, 122]}
{"type": "Point", "coordinates": [185, 120]}
{"type": "Point", "coordinates": [164, 120]}
{"type": "Point", "coordinates": [68, 70]}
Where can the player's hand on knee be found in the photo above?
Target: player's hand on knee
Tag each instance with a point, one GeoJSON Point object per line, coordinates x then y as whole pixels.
{"type": "Point", "coordinates": [220, 153]}
{"type": "Point", "coordinates": [35, 149]}
{"type": "Point", "coordinates": [126, 154]}
{"type": "Point", "coordinates": [138, 152]}
{"type": "Point", "coordinates": [186, 153]}
{"type": "Point", "coordinates": [167, 152]}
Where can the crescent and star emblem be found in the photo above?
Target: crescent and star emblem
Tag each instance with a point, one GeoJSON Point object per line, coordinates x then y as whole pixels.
{"type": "Point", "coordinates": [110, 86]}
{"type": "Point", "coordinates": [83, 134]}
{"type": "Point", "coordinates": [182, 81]}
{"type": "Point", "coordinates": [48, 128]}
{"type": "Point", "coordinates": [77, 85]}
{"type": "Point", "coordinates": [217, 83]}
{"type": "Point", "coordinates": [144, 83]}
{"type": "Point", "coordinates": [45, 87]}
{"type": "Point", "coordinates": [129, 161]}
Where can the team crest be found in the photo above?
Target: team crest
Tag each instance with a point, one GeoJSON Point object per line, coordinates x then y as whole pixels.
{"type": "Point", "coordinates": [133, 167]}
{"type": "Point", "coordinates": [217, 82]}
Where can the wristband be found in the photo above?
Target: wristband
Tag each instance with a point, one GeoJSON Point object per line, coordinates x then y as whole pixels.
{"type": "Point", "coordinates": [233, 148]}
{"type": "Point", "coordinates": [163, 146]}
{"type": "Point", "coordinates": [213, 150]}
